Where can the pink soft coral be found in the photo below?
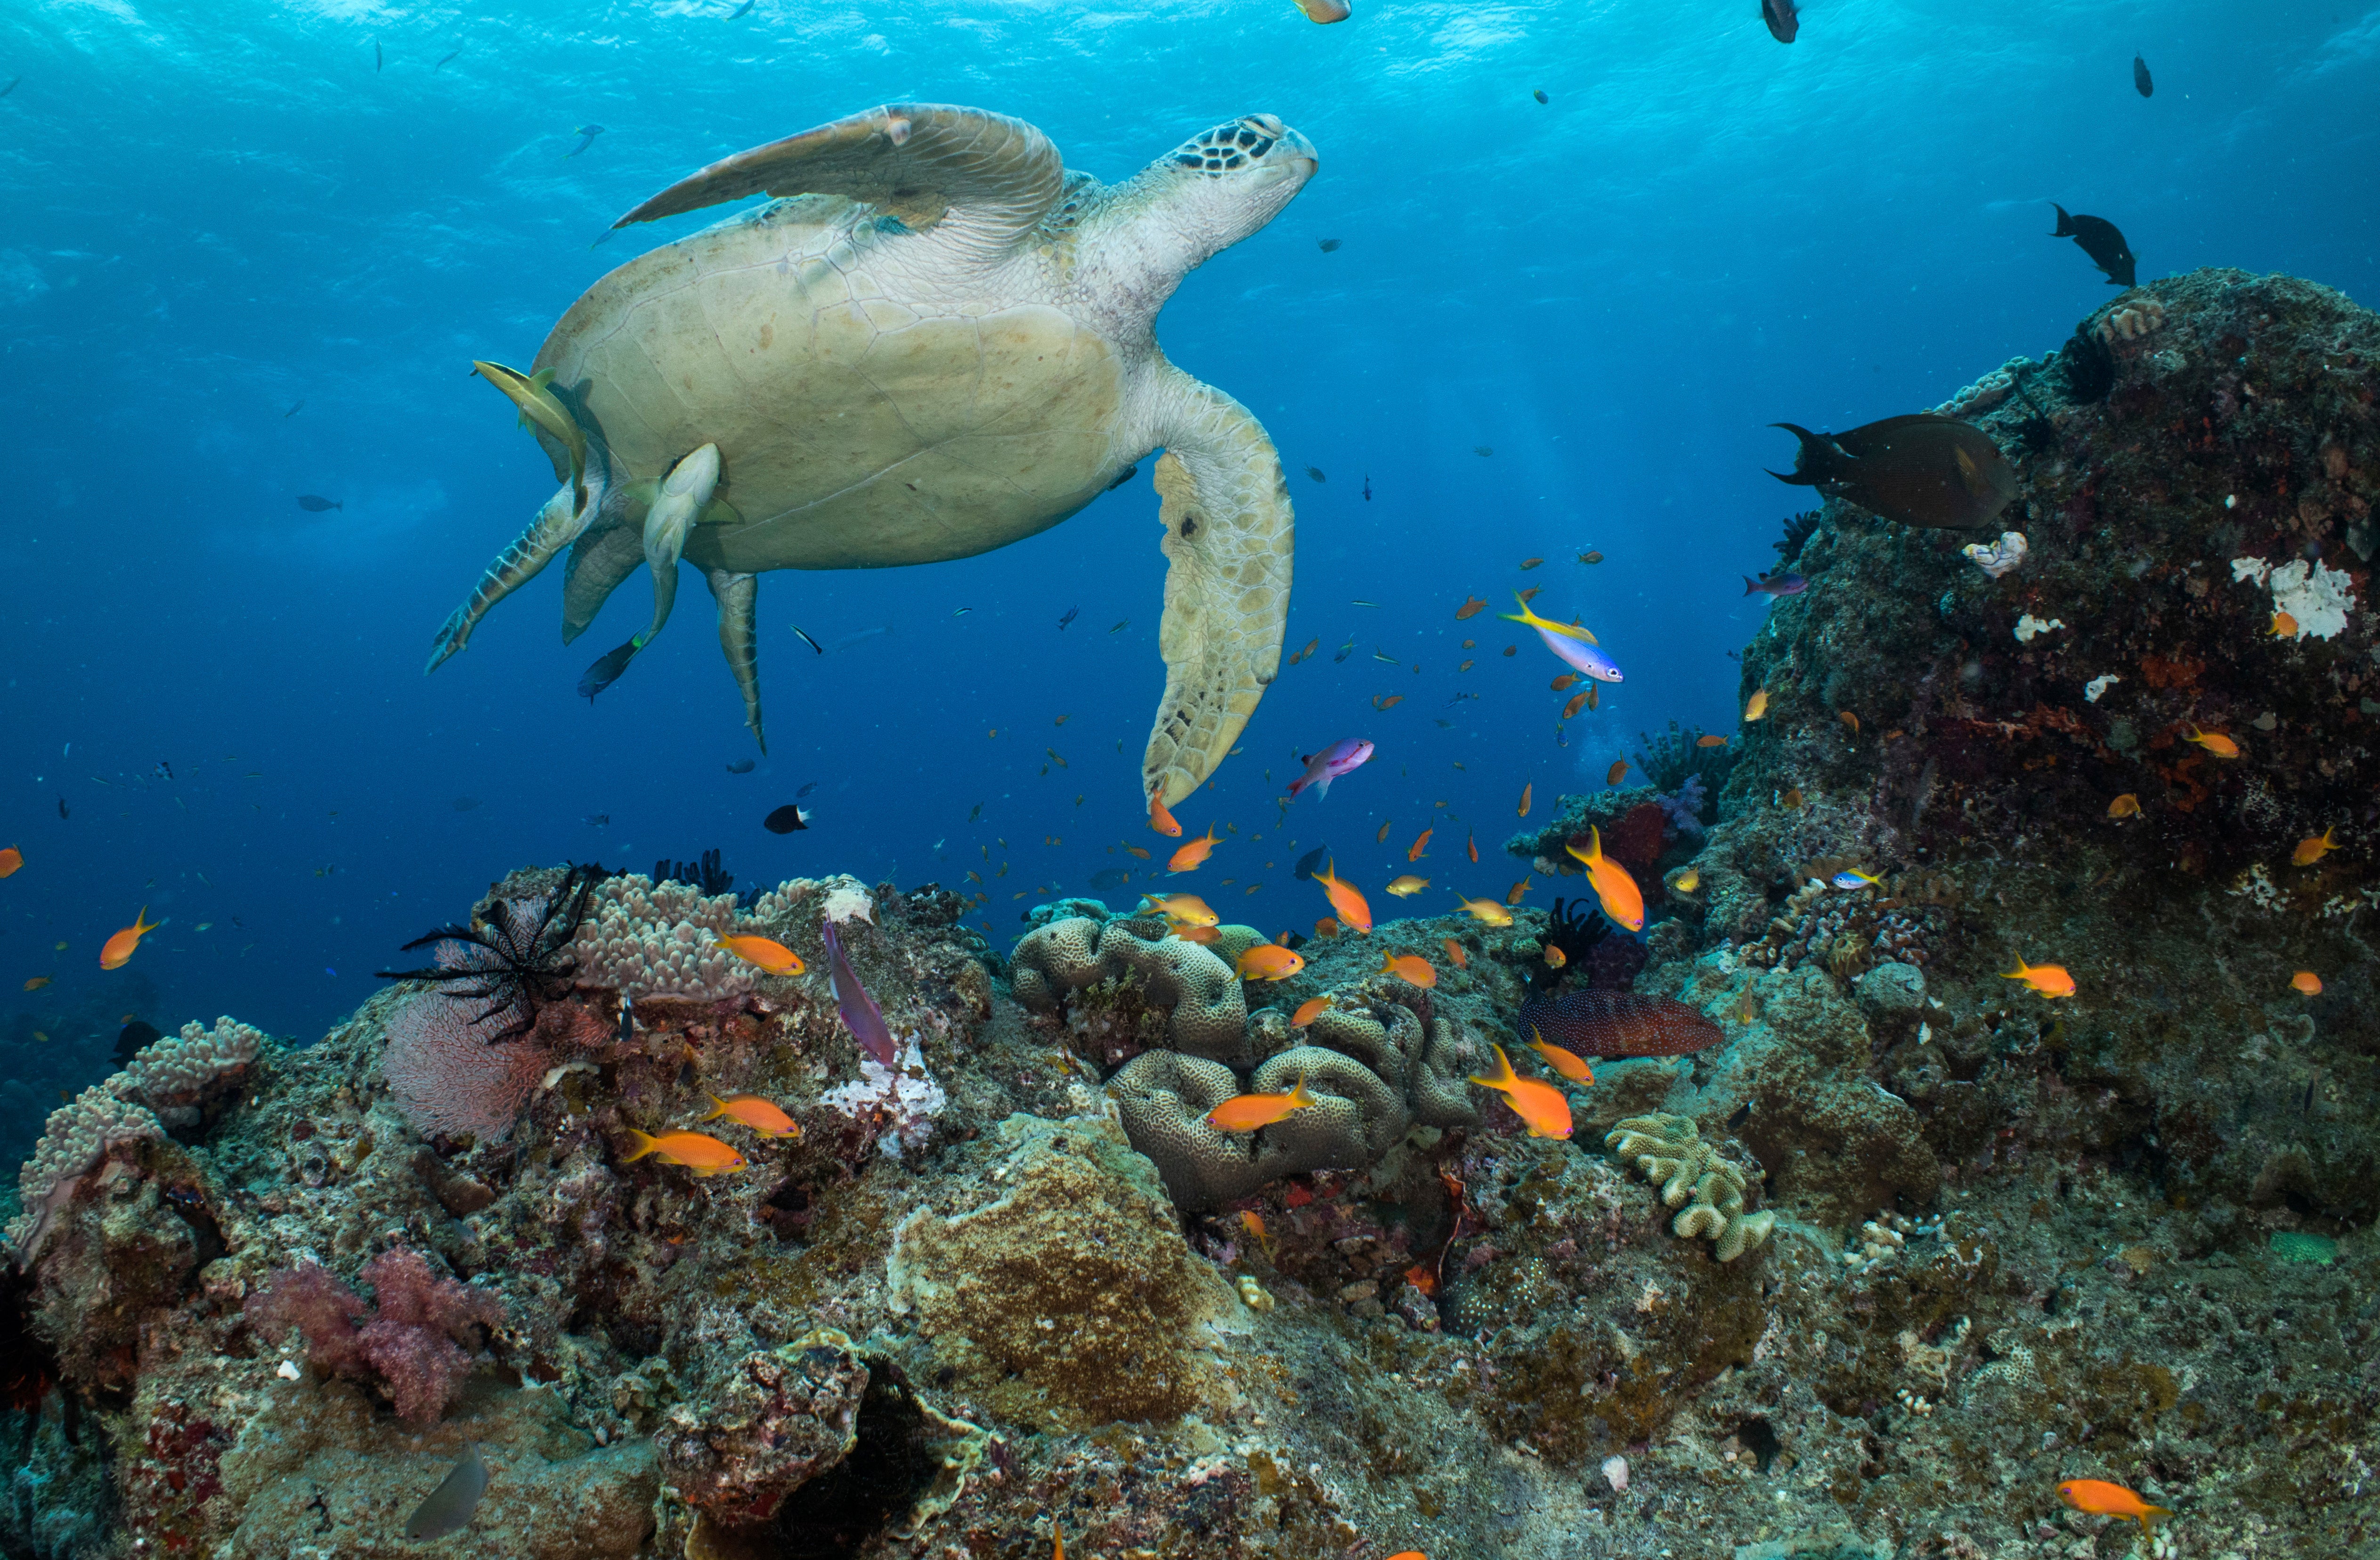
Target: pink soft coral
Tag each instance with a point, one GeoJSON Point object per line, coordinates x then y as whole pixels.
{"type": "Point", "coordinates": [413, 1333]}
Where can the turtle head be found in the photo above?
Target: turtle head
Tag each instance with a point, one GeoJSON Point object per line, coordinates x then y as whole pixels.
{"type": "Point", "coordinates": [1223, 184]}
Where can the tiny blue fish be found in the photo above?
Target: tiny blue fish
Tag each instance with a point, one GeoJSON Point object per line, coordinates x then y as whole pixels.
{"type": "Point", "coordinates": [1852, 878]}
{"type": "Point", "coordinates": [1776, 584]}
{"type": "Point", "coordinates": [1071, 613]}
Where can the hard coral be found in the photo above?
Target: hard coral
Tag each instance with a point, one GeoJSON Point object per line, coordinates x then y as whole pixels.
{"type": "Point", "coordinates": [180, 1076]}
{"type": "Point", "coordinates": [1669, 1150]}
{"type": "Point", "coordinates": [648, 940]}
{"type": "Point", "coordinates": [413, 1333]}
{"type": "Point", "coordinates": [78, 1136]}
{"type": "Point", "coordinates": [1207, 1013]}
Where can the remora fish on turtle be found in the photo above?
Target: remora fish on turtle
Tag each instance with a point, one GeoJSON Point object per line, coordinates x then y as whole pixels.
{"type": "Point", "coordinates": [1922, 470]}
{"type": "Point", "coordinates": [918, 253]}
{"type": "Point", "coordinates": [2100, 240]}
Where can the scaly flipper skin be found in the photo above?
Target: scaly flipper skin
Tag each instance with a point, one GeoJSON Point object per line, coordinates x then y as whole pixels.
{"type": "Point", "coordinates": [599, 560]}
{"type": "Point", "coordinates": [739, 636]}
{"type": "Point", "coordinates": [683, 496]}
{"type": "Point", "coordinates": [916, 161]}
{"type": "Point", "coordinates": [556, 526]}
{"type": "Point", "coordinates": [1229, 538]}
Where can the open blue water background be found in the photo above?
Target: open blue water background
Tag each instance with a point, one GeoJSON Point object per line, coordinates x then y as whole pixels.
{"type": "Point", "coordinates": [210, 212]}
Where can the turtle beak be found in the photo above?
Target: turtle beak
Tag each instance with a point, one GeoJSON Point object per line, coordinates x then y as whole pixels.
{"type": "Point", "coordinates": [1288, 147]}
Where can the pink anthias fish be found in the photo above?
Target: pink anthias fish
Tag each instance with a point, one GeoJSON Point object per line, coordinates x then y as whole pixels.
{"type": "Point", "coordinates": [1328, 764]}
{"type": "Point", "coordinates": [1776, 584]}
{"type": "Point", "coordinates": [860, 1013]}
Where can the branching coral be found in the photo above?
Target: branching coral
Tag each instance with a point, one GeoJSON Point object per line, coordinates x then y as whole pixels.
{"type": "Point", "coordinates": [1669, 1151]}
{"type": "Point", "coordinates": [413, 1333]}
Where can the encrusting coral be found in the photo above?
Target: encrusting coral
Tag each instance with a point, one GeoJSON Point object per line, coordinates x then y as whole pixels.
{"type": "Point", "coordinates": [1669, 1151]}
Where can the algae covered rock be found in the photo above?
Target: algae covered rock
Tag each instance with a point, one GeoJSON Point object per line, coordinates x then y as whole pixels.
{"type": "Point", "coordinates": [1068, 1296]}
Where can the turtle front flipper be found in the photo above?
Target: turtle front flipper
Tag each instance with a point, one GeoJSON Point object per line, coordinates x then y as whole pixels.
{"type": "Point", "coordinates": [684, 495]}
{"type": "Point", "coordinates": [739, 636]}
{"type": "Point", "coordinates": [1229, 538]}
{"type": "Point", "coordinates": [990, 177]}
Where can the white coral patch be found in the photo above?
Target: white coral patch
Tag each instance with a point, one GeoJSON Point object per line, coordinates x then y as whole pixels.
{"type": "Point", "coordinates": [2249, 568]}
{"type": "Point", "coordinates": [2028, 626]}
{"type": "Point", "coordinates": [2001, 556]}
{"type": "Point", "coordinates": [2098, 686]}
{"type": "Point", "coordinates": [908, 1099]}
{"type": "Point", "coordinates": [2318, 597]}
{"type": "Point", "coordinates": [847, 899]}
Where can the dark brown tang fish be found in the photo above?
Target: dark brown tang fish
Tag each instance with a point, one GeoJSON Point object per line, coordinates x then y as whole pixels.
{"type": "Point", "coordinates": [2101, 241]}
{"type": "Point", "coordinates": [1921, 470]}
{"type": "Point", "coordinates": [1782, 20]}
{"type": "Point", "coordinates": [1593, 1023]}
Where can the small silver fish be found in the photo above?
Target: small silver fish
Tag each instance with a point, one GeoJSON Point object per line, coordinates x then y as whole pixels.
{"type": "Point", "coordinates": [449, 1508]}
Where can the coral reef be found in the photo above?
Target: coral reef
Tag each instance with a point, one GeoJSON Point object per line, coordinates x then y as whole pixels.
{"type": "Point", "coordinates": [1708, 1190]}
{"type": "Point", "coordinates": [1922, 1241]}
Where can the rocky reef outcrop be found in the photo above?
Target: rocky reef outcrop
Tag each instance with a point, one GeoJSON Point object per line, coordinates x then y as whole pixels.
{"type": "Point", "coordinates": [1869, 1252]}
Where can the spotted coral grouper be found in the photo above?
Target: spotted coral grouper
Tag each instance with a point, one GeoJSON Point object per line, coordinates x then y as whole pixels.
{"type": "Point", "coordinates": [1591, 1023]}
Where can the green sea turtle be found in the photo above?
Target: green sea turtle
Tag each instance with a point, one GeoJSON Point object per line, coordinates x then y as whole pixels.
{"type": "Point", "coordinates": [943, 342]}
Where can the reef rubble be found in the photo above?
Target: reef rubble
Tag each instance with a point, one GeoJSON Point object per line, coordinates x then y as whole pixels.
{"type": "Point", "coordinates": [1864, 1255]}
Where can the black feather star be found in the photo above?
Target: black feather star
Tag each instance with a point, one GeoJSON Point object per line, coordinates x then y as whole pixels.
{"type": "Point", "coordinates": [516, 959]}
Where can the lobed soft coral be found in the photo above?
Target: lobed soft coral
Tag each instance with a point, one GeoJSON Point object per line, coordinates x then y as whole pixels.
{"type": "Point", "coordinates": [413, 1333]}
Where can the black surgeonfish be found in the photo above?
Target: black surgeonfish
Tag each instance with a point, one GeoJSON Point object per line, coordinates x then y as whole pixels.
{"type": "Point", "coordinates": [2141, 77]}
{"type": "Point", "coordinates": [2100, 240]}
{"type": "Point", "coordinates": [1921, 470]}
{"type": "Point", "coordinates": [132, 1038]}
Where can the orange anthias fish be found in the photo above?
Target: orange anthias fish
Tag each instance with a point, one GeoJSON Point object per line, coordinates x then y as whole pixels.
{"type": "Point", "coordinates": [1410, 968]}
{"type": "Point", "coordinates": [2308, 851]}
{"type": "Point", "coordinates": [2125, 806]}
{"type": "Point", "coordinates": [1137, 850]}
{"type": "Point", "coordinates": [1518, 892]}
{"type": "Point", "coordinates": [2284, 627]}
{"type": "Point", "coordinates": [1525, 792]}
{"type": "Point", "coordinates": [1268, 961]}
{"type": "Point", "coordinates": [1712, 741]}
{"type": "Point", "coordinates": [2049, 980]}
{"type": "Point", "coordinates": [1353, 910]}
{"type": "Point", "coordinates": [1564, 1061]}
{"type": "Point", "coordinates": [1414, 851]}
{"type": "Point", "coordinates": [37, 982]}
{"type": "Point", "coordinates": [1191, 856]}
{"type": "Point", "coordinates": [1756, 706]}
{"type": "Point", "coordinates": [2215, 742]}
{"type": "Point", "coordinates": [1325, 926]}
{"type": "Point", "coordinates": [1454, 953]}
{"type": "Point", "coordinates": [1618, 773]}
{"type": "Point", "coordinates": [1848, 719]}
{"type": "Point", "coordinates": [1382, 837]}
{"type": "Point", "coordinates": [772, 956]}
{"type": "Point", "coordinates": [1313, 1008]}
{"type": "Point", "coordinates": [1562, 682]}
{"type": "Point", "coordinates": [1182, 909]}
{"type": "Point", "coordinates": [1555, 958]}
{"type": "Point", "coordinates": [755, 1113]}
{"type": "Point", "coordinates": [698, 1152]}
{"type": "Point", "coordinates": [1487, 911]}
{"type": "Point", "coordinates": [1163, 821]}
{"type": "Point", "coordinates": [10, 859]}
{"type": "Point", "coordinates": [2306, 983]}
{"type": "Point", "coordinates": [1206, 936]}
{"type": "Point", "coordinates": [1470, 607]}
{"type": "Point", "coordinates": [1471, 843]}
{"type": "Point", "coordinates": [1539, 1105]}
{"type": "Point", "coordinates": [1622, 901]}
{"type": "Point", "coordinates": [2103, 1499]}
{"type": "Point", "coordinates": [117, 950]}
{"type": "Point", "coordinates": [1246, 1113]}
{"type": "Point", "coordinates": [1579, 701]}
{"type": "Point", "coordinates": [1408, 885]}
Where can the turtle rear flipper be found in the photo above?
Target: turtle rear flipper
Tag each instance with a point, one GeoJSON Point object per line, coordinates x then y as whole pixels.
{"type": "Point", "coordinates": [918, 162]}
{"type": "Point", "coordinates": [739, 636]}
{"type": "Point", "coordinates": [1229, 537]}
{"type": "Point", "coordinates": [681, 498]}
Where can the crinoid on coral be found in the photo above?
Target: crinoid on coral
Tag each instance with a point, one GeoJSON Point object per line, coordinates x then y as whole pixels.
{"type": "Point", "coordinates": [1593, 955]}
{"type": "Point", "coordinates": [515, 957]}
{"type": "Point", "coordinates": [1669, 1151]}
{"type": "Point", "coordinates": [1799, 528]}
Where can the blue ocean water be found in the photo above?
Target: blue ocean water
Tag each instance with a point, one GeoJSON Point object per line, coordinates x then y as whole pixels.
{"type": "Point", "coordinates": [249, 251]}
